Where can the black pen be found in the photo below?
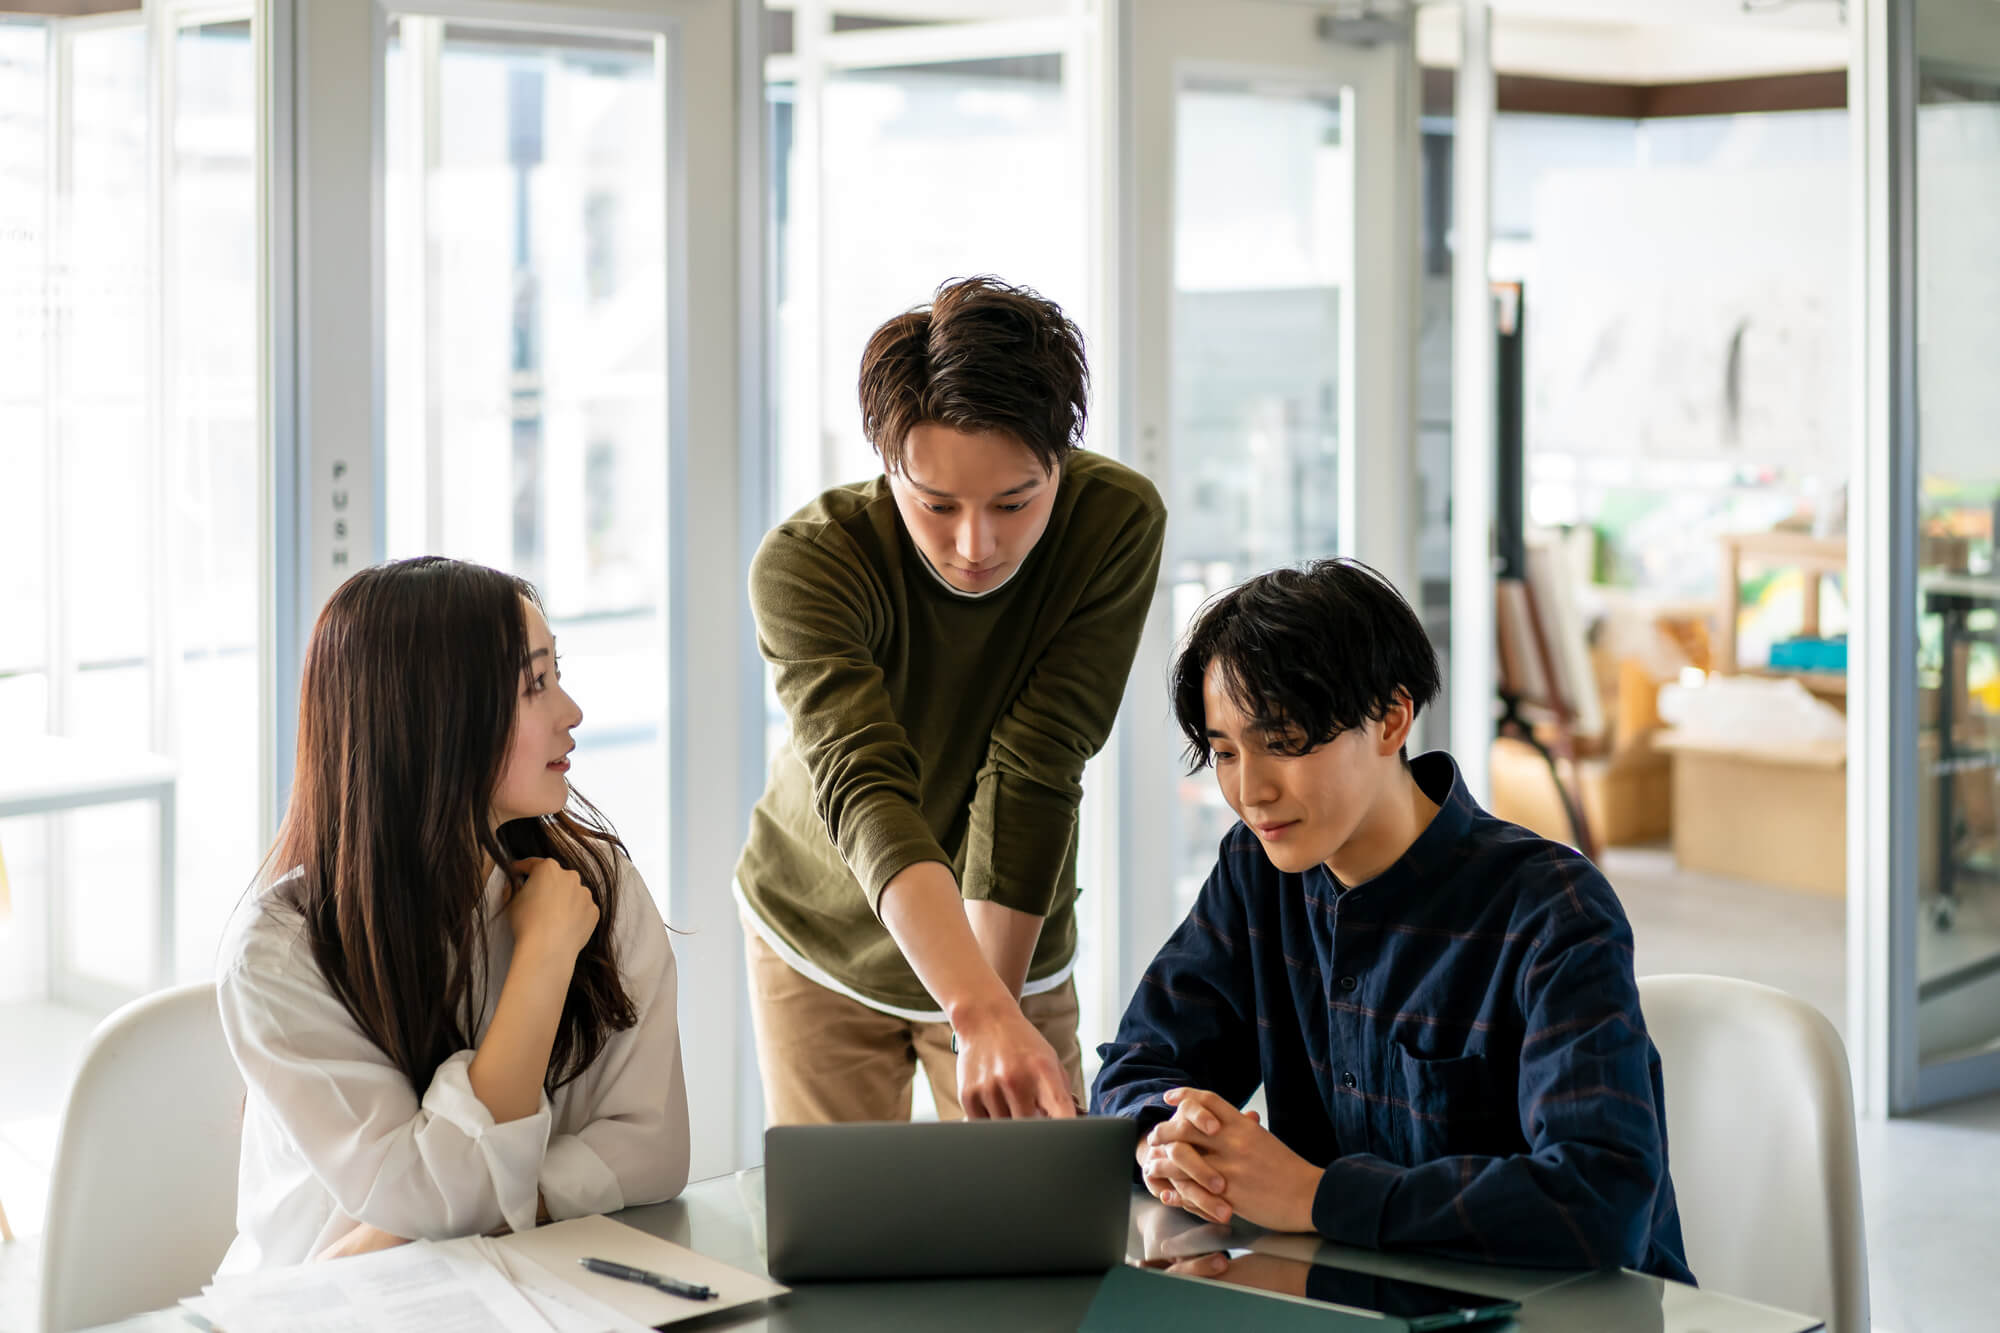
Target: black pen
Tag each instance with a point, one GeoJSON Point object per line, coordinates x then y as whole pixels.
{"type": "Point", "coordinates": [673, 1286]}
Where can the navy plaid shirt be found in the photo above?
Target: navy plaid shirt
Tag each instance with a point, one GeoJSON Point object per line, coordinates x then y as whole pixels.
{"type": "Point", "coordinates": [1458, 1040]}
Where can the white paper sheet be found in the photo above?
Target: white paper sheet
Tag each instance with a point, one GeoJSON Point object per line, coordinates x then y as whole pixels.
{"type": "Point", "coordinates": [416, 1288]}
{"type": "Point", "coordinates": [529, 1283]}
{"type": "Point", "coordinates": [566, 1309]}
{"type": "Point", "coordinates": [556, 1249]}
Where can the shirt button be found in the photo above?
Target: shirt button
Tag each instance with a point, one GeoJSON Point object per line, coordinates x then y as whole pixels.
{"type": "Point", "coordinates": [1348, 983]}
{"type": "Point", "coordinates": [1348, 1079]}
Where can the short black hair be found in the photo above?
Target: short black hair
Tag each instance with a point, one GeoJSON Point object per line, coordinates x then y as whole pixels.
{"type": "Point", "coordinates": [1317, 649]}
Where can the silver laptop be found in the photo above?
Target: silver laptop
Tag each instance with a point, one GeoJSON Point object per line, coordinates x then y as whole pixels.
{"type": "Point", "coordinates": [948, 1199]}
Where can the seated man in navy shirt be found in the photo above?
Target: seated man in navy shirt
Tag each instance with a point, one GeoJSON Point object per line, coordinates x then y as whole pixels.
{"type": "Point", "coordinates": [1440, 1005]}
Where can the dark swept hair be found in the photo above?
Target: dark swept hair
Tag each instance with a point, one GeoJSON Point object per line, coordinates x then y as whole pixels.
{"type": "Point", "coordinates": [982, 356]}
{"type": "Point", "coordinates": [1314, 650]}
{"type": "Point", "coordinates": [406, 713]}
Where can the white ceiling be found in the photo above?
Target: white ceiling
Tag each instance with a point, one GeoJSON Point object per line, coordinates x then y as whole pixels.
{"type": "Point", "coordinates": [1598, 41]}
{"type": "Point", "coordinates": [1797, 14]}
{"type": "Point", "coordinates": [1646, 41]}
{"type": "Point", "coordinates": [936, 11]}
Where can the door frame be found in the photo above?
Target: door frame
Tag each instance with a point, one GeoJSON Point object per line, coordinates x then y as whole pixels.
{"type": "Point", "coordinates": [325, 255]}
{"type": "Point", "coordinates": [1160, 43]}
{"type": "Point", "coordinates": [1885, 835]}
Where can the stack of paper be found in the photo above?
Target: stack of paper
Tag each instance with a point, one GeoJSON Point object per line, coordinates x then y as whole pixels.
{"type": "Point", "coordinates": [446, 1288]}
{"type": "Point", "coordinates": [528, 1283]}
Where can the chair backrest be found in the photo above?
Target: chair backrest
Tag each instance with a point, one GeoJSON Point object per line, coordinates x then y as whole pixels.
{"type": "Point", "coordinates": [142, 1200]}
{"type": "Point", "coordinates": [1760, 1141]}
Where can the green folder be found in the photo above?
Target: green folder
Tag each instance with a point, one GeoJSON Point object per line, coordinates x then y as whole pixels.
{"type": "Point", "coordinates": [1145, 1300]}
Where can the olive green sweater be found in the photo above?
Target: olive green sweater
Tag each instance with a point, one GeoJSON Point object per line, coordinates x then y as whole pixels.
{"type": "Point", "coordinates": [930, 726]}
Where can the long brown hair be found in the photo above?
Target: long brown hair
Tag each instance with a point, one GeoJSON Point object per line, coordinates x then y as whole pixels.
{"type": "Point", "coordinates": [406, 712]}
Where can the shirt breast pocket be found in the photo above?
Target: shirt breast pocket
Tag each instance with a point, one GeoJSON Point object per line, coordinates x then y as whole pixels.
{"type": "Point", "coordinates": [1449, 1106]}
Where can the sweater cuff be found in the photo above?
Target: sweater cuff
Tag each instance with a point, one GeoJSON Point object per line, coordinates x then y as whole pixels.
{"type": "Point", "coordinates": [512, 1152]}
{"type": "Point", "coordinates": [1018, 845]}
{"type": "Point", "coordinates": [575, 1182]}
{"type": "Point", "coordinates": [1352, 1195]}
{"type": "Point", "coordinates": [883, 840]}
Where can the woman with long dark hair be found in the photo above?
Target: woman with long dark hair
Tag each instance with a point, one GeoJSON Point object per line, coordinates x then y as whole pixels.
{"type": "Point", "coordinates": [450, 994]}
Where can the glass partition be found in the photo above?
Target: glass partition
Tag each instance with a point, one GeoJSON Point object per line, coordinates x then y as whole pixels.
{"type": "Point", "coordinates": [887, 180]}
{"type": "Point", "coordinates": [1957, 307]}
{"type": "Point", "coordinates": [527, 359]}
{"type": "Point", "coordinates": [1263, 253]}
{"type": "Point", "coordinates": [926, 172]}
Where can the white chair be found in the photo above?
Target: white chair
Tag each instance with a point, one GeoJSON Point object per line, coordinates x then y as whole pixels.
{"type": "Point", "coordinates": [1760, 1141]}
{"type": "Point", "coordinates": [142, 1199]}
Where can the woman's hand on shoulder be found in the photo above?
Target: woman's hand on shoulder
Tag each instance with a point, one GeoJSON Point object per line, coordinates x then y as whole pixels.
{"type": "Point", "coordinates": [553, 914]}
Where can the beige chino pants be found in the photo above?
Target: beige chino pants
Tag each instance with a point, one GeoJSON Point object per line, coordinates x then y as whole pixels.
{"type": "Point", "coordinates": [829, 1059]}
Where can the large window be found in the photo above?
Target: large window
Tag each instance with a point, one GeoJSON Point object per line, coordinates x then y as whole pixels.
{"type": "Point", "coordinates": [131, 514]}
{"type": "Point", "coordinates": [527, 359]}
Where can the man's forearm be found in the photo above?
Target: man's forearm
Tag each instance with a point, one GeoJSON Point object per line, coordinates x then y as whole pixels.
{"type": "Point", "coordinates": [1006, 940]}
{"type": "Point", "coordinates": [928, 920]}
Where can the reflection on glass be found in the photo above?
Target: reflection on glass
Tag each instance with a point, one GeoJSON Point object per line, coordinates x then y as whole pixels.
{"type": "Point", "coordinates": [527, 359]}
{"type": "Point", "coordinates": [1263, 250]}
{"type": "Point", "coordinates": [1958, 586]}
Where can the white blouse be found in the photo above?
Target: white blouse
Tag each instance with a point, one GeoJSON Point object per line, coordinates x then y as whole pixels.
{"type": "Point", "coordinates": [334, 1134]}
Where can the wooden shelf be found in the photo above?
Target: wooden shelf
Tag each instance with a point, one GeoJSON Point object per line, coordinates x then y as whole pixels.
{"type": "Point", "coordinates": [1825, 684]}
{"type": "Point", "coordinates": [1816, 556]}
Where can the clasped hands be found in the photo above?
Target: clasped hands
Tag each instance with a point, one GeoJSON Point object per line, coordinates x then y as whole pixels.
{"type": "Point", "coordinates": [1219, 1162]}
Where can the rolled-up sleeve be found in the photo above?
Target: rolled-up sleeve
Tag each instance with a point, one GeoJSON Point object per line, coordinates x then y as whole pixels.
{"type": "Point", "coordinates": [430, 1167]}
{"type": "Point", "coordinates": [1023, 820]}
{"type": "Point", "coordinates": [813, 618]}
{"type": "Point", "coordinates": [633, 1148]}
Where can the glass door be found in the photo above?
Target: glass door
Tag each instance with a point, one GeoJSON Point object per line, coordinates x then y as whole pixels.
{"type": "Point", "coordinates": [520, 284]}
{"type": "Point", "coordinates": [1262, 380]}
{"type": "Point", "coordinates": [526, 376]}
{"type": "Point", "coordinates": [1957, 170]}
{"type": "Point", "coordinates": [1926, 927]}
{"type": "Point", "coordinates": [1274, 156]}
{"type": "Point", "coordinates": [910, 150]}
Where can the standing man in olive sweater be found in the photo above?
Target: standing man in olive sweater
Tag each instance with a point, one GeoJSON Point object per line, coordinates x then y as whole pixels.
{"type": "Point", "coordinates": [950, 641]}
